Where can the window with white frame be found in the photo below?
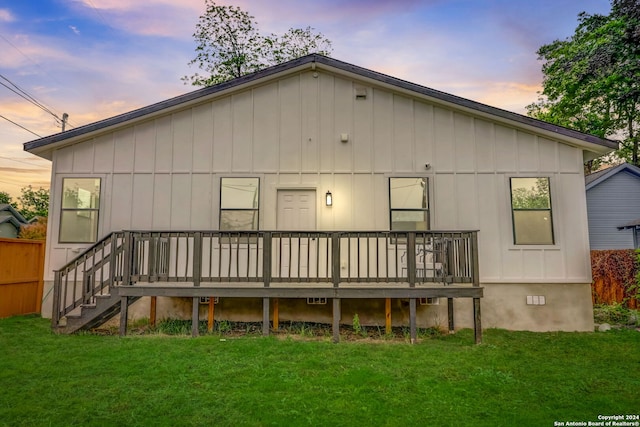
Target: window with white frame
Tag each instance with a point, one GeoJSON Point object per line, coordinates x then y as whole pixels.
{"type": "Point", "coordinates": [409, 204]}
{"type": "Point", "coordinates": [531, 211]}
{"type": "Point", "coordinates": [239, 203]}
{"type": "Point", "coordinates": [80, 209]}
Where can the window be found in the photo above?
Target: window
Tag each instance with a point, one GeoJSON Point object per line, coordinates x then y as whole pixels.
{"type": "Point", "coordinates": [80, 207]}
{"type": "Point", "coordinates": [531, 209]}
{"type": "Point", "coordinates": [409, 203]}
{"type": "Point", "coordinates": [239, 203]}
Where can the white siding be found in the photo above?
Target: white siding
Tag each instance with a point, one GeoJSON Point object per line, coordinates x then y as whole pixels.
{"type": "Point", "coordinates": [164, 173]}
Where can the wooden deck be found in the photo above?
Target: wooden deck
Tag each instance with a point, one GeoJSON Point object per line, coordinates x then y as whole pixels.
{"type": "Point", "coordinates": [273, 265]}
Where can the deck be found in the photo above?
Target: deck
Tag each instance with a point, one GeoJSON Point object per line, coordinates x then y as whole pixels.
{"type": "Point", "coordinates": [270, 265]}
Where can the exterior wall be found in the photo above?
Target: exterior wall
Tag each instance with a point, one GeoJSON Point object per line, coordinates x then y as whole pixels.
{"type": "Point", "coordinates": [165, 173]}
{"type": "Point", "coordinates": [613, 202]}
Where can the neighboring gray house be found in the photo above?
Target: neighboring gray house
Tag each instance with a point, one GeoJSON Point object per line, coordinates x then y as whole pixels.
{"type": "Point", "coordinates": [613, 207]}
{"type": "Point", "coordinates": [10, 221]}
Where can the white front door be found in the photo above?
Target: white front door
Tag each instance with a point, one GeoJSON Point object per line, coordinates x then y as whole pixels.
{"type": "Point", "coordinates": [296, 210]}
{"type": "Point", "coordinates": [295, 254]}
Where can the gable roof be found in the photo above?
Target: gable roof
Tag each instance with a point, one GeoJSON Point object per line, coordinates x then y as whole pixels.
{"type": "Point", "coordinates": [44, 147]}
{"type": "Point", "coordinates": [9, 213]}
{"type": "Point", "coordinates": [596, 178]}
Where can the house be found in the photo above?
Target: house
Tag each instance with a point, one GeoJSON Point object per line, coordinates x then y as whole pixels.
{"type": "Point", "coordinates": [613, 207]}
{"type": "Point", "coordinates": [10, 221]}
{"type": "Point", "coordinates": [315, 190]}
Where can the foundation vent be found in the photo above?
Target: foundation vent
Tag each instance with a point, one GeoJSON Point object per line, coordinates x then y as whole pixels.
{"type": "Point", "coordinates": [205, 300]}
{"type": "Point", "coordinates": [316, 301]}
{"type": "Point", "coordinates": [536, 300]}
{"type": "Point", "coordinates": [429, 301]}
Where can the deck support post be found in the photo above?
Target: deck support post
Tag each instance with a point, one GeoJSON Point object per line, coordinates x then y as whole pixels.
{"type": "Point", "coordinates": [55, 311]}
{"type": "Point", "coordinates": [210, 318]}
{"type": "Point", "coordinates": [336, 320]}
{"type": "Point", "coordinates": [450, 315]}
{"type": "Point", "coordinates": [124, 307]}
{"type": "Point", "coordinates": [335, 275]}
{"type": "Point", "coordinates": [265, 316]}
{"type": "Point", "coordinates": [477, 321]}
{"type": "Point", "coordinates": [387, 315]}
{"type": "Point", "coordinates": [412, 320]}
{"type": "Point", "coordinates": [153, 311]}
{"type": "Point", "coordinates": [276, 314]}
{"type": "Point", "coordinates": [195, 317]}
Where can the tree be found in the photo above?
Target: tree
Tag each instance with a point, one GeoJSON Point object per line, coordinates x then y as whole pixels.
{"type": "Point", "coordinates": [34, 203]}
{"type": "Point", "coordinates": [591, 80]}
{"type": "Point", "coordinates": [230, 45]}
{"type": "Point", "coordinates": [5, 198]}
{"type": "Point", "coordinates": [535, 196]}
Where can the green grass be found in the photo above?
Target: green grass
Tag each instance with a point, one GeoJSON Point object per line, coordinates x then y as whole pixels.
{"type": "Point", "coordinates": [512, 379]}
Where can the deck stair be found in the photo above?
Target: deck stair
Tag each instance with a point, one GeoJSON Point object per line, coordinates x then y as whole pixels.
{"type": "Point", "coordinates": [83, 288]}
{"type": "Point", "coordinates": [91, 315]}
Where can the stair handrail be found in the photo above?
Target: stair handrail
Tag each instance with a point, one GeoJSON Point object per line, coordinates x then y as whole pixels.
{"type": "Point", "coordinates": [60, 307]}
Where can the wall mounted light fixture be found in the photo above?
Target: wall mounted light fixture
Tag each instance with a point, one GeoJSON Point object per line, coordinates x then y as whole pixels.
{"type": "Point", "coordinates": [329, 198]}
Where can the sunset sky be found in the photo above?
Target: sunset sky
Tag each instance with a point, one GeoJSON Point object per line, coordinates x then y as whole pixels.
{"type": "Point", "coordinates": [94, 59]}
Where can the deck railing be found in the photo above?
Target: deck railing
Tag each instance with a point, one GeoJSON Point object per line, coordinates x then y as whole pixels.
{"type": "Point", "coordinates": [90, 274]}
{"type": "Point", "coordinates": [301, 256]}
{"type": "Point", "coordinates": [267, 257]}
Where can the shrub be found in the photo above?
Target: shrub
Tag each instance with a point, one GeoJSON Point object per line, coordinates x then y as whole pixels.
{"type": "Point", "coordinates": [34, 231]}
{"type": "Point", "coordinates": [614, 275]}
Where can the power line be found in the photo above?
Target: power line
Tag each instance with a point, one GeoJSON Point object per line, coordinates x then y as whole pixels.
{"type": "Point", "coordinates": [23, 93]}
{"type": "Point", "coordinates": [34, 62]}
{"type": "Point", "coordinates": [99, 13]}
{"type": "Point", "coordinates": [26, 96]}
{"type": "Point", "coordinates": [16, 48]}
{"type": "Point", "coordinates": [20, 126]}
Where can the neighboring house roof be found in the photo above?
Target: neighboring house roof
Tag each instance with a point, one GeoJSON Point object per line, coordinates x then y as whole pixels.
{"type": "Point", "coordinates": [612, 205]}
{"type": "Point", "coordinates": [596, 178]}
{"type": "Point", "coordinates": [44, 147]}
{"type": "Point", "coordinates": [8, 215]}
{"type": "Point", "coordinates": [8, 211]}
{"type": "Point", "coordinates": [632, 224]}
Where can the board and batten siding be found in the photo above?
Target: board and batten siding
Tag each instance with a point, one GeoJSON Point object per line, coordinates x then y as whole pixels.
{"type": "Point", "coordinates": [611, 203]}
{"type": "Point", "coordinates": [165, 173]}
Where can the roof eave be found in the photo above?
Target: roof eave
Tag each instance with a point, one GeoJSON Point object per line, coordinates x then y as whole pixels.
{"type": "Point", "coordinates": [44, 147]}
{"type": "Point", "coordinates": [614, 171]}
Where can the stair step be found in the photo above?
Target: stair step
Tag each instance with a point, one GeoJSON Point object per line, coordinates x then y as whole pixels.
{"type": "Point", "coordinates": [106, 307]}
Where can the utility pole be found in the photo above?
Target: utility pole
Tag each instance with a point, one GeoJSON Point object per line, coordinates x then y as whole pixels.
{"type": "Point", "coordinates": [65, 116]}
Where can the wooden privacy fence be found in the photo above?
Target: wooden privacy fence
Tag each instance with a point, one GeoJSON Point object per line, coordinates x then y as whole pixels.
{"type": "Point", "coordinates": [21, 273]}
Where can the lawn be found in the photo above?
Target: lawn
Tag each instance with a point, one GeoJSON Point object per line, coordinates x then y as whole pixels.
{"type": "Point", "coordinates": [512, 379]}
